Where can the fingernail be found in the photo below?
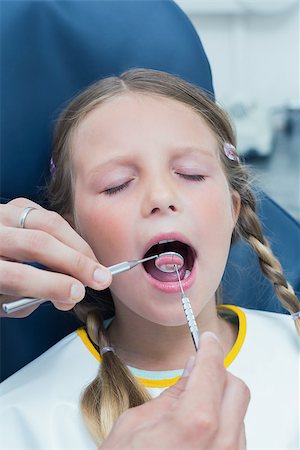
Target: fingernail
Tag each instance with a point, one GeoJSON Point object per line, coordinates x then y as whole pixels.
{"type": "Point", "coordinates": [189, 366]}
{"type": "Point", "coordinates": [77, 292]}
{"type": "Point", "coordinates": [101, 276]}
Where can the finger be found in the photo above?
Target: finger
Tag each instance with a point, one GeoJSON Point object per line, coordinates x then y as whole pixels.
{"type": "Point", "coordinates": [242, 440]}
{"type": "Point", "coordinates": [207, 378]}
{"type": "Point", "coordinates": [175, 391]}
{"type": "Point", "coordinates": [155, 409]}
{"type": "Point", "coordinates": [158, 407]}
{"type": "Point", "coordinates": [45, 220]}
{"type": "Point", "coordinates": [168, 396]}
{"type": "Point", "coordinates": [23, 202]}
{"type": "Point", "coordinates": [22, 280]}
{"type": "Point", "coordinates": [203, 394]}
{"type": "Point", "coordinates": [34, 245]}
{"type": "Point", "coordinates": [233, 410]}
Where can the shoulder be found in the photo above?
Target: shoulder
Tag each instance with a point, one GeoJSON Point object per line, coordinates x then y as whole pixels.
{"type": "Point", "coordinates": [271, 328]}
{"type": "Point", "coordinates": [262, 332]}
{"type": "Point", "coordinates": [267, 340]}
{"type": "Point", "coordinates": [269, 357]}
{"type": "Point", "coordinates": [66, 356]}
{"type": "Point", "coordinates": [268, 362]}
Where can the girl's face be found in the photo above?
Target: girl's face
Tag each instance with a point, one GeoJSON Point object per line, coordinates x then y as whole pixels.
{"type": "Point", "coordinates": [146, 171]}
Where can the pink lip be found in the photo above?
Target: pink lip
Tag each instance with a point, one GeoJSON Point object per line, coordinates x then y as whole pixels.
{"type": "Point", "coordinates": [170, 287]}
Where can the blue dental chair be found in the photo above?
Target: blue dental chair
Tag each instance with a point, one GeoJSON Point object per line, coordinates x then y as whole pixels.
{"type": "Point", "coordinates": [50, 51]}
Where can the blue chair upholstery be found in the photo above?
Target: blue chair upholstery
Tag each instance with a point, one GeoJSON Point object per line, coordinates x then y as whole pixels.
{"type": "Point", "coordinates": [53, 49]}
{"type": "Point", "coordinates": [243, 282]}
{"type": "Point", "coordinates": [50, 51]}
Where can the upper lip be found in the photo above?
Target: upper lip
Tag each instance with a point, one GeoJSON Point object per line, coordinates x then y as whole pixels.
{"type": "Point", "coordinates": [174, 235]}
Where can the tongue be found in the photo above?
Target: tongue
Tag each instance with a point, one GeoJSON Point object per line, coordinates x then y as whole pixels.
{"type": "Point", "coordinates": [163, 276]}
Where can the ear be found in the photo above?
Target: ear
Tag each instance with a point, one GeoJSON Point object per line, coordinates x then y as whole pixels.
{"type": "Point", "coordinates": [236, 205]}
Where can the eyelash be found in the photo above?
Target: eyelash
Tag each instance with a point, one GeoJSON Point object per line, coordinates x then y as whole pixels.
{"type": "Point", "coordinates": [192, 177]}
{"type": "Point", "coordinates": [116, 189]}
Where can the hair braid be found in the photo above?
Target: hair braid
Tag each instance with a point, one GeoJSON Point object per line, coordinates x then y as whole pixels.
{"type": "Point", "coordinates": [249, 227]}
{"type": "Point", "coordinates": [113, 390]}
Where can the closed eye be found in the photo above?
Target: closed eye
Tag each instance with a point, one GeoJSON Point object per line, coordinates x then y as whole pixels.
{"type": "Point", "coordinates": [191, 177]}
{"type": "Point", "coordinates": [115, 189]}
{"type": "Point", "coordinates": [121, 187]}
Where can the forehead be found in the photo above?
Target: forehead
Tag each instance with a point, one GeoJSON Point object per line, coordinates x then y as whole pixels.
{"type": "Point", "coordinates": [135, 120]}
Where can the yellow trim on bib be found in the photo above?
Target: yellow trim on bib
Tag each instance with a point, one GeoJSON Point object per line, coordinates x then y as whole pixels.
{"type": "Point", "coordinates": [147, 382]}
{"type": "Point", "coordinates": [86, 340]}
{"type": "Point", "coordinates": [229, 358]}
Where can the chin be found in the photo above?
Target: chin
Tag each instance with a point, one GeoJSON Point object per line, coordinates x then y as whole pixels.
{"type": "Point", "coordinates": [170, 316]}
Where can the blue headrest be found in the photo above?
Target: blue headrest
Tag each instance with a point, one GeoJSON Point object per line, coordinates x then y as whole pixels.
{"type": "Point", "coordinates": [243, 282]}
{"type": "Point", "coordinates": [53, 49]}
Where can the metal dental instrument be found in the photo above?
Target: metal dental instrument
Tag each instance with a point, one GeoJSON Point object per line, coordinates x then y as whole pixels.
{"type": "Point", "coordinates": [169, 267]}
{"type": "Point", "coordinates": [172, 267]}
{"type": "Point", "coordinates": [188, 313]}
{"type": "Point", "coordinates": [8, 308]}
{"type": "Point", "coordinates": [128, 265]}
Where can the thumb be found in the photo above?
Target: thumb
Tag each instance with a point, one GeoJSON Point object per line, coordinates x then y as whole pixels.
{"type": "Point", "coordinates": [158, 406]}
{"type": "Point", "coordinates": [177, 389]}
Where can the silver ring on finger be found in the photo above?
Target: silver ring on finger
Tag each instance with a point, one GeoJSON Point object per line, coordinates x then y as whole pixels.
{"type": "Point", "coordinates": [24, 215]}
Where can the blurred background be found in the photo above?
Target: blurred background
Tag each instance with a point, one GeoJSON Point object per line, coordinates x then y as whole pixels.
{"type": "Point", "coordinates": [254, 50]}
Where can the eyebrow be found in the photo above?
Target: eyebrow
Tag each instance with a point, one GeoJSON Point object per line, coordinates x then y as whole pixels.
{"type": "Point", "coordinates": [182, 151]}
{"type": "Point", "coordinates": [124, 161]}
{"type": "Point", "coordinates": [117, 160]}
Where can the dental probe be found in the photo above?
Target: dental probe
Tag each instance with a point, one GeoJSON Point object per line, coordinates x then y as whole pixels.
{"type": "Point", "coordinates": [8, 308]}
{"type": "Point", "coordinates": [128, 265]}
{"type": "Point", "coordinates": [188, 312]}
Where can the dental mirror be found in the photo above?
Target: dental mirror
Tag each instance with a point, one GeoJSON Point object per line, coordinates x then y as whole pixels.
{"type": "Point", "coordinates": [167, 261]}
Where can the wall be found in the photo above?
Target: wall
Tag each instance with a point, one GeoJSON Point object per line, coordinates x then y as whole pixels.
{"type": "Point", "coordinates": [253, 47]}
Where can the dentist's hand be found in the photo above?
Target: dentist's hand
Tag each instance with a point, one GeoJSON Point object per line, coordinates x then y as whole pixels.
{"type": "Point", "coordinates": [48, 239]}
{"type": "Point", "coordinates": [204, 411]}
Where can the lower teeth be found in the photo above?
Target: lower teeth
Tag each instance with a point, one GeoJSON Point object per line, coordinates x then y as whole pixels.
{"type": "Point", "coordinates": [187, 273]}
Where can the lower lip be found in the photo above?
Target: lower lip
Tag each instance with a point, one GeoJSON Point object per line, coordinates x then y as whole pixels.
{"type": "Point", "coordinates": [171, 287]}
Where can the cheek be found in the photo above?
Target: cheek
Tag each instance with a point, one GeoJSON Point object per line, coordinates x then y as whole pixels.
{"type": "Point", "coordinates": [217, 224]}
{"type": "Point", "coordinates": [221, 206]}
{"type": "Point", "coordinates": [221, 215]}
{"type": "Point", "coordinates": [106, 231]}
{"type": "Point", "coordinates": [215, 229]}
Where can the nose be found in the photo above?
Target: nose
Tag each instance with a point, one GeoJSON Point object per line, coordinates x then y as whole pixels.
{"type": "Point", "coordinates": [160, 198]}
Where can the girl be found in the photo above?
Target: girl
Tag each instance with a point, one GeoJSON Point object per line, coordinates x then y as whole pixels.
{"type": "Point", "coordinates": [145, 163]}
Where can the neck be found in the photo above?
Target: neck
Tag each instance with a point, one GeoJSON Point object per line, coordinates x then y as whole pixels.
{"type": "Point", "coordinates": [150, 346]}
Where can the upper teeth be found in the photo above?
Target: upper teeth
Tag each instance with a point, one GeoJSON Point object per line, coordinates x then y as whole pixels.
{"type": "Point", "coordinates": [165, 241]}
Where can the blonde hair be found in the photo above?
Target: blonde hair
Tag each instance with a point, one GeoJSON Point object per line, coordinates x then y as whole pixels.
{"type": "Point", "coordinates": [115, 389]}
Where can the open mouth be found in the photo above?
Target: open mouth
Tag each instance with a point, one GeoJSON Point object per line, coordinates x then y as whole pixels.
{"type": "Point", "coordinates": [187, 252]}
